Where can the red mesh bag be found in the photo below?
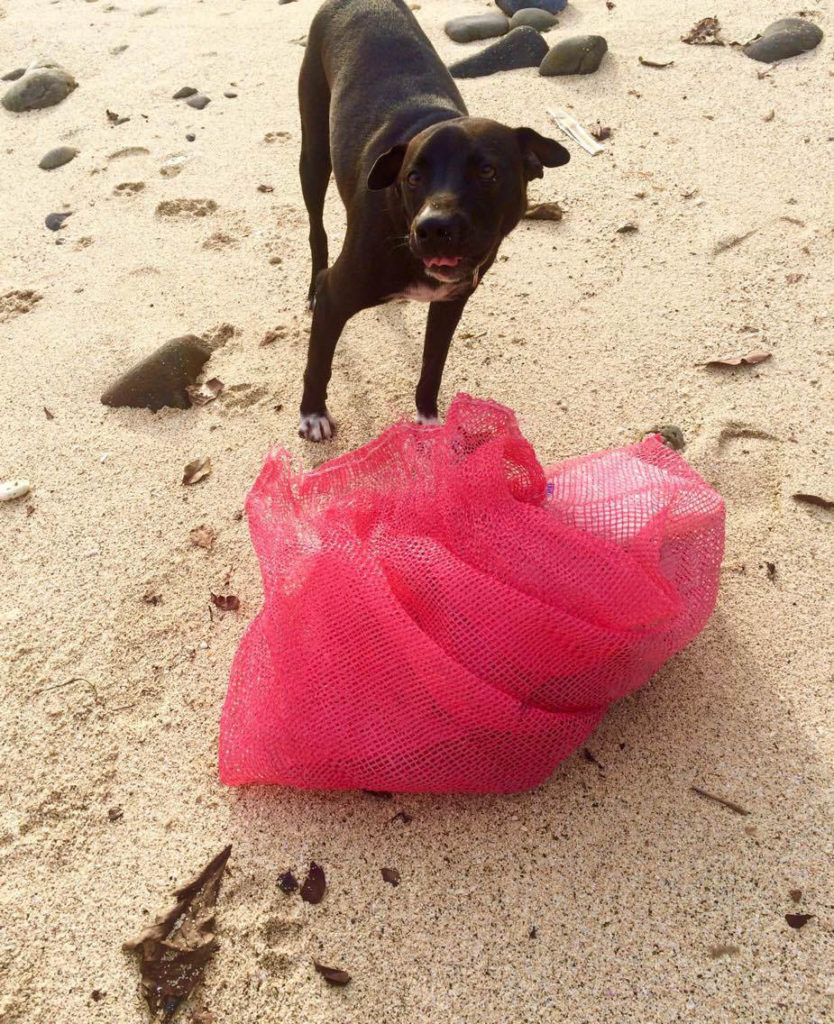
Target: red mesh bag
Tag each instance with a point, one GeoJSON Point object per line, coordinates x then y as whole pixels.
{"type": "Point", "coordinates": [442, 614]}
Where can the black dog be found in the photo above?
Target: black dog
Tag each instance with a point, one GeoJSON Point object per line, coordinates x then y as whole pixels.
{"type": "Point", "coordinates": [430, 192]}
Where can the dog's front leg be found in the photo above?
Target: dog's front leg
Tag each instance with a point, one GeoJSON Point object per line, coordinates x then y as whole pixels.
{"type": "Point", "coordinates": [330, 314]}
{"type": "Point", "coordinates": [440, 326]}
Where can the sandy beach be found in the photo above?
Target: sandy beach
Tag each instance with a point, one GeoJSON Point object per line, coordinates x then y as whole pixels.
{"type": "Point", "coordinates": [613, 893]}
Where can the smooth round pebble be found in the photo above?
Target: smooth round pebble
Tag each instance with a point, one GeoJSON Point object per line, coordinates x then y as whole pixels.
{"type": "Point", "coordinates": [198, 102]}
{"type": "Point", "coordinates": [12, 76]}
{"type": "Point", "coordinates": [184, 93]}
{"type": "Point", "coordinates": [541, 21]}
{"type": "Point", "coordinates": [39, 88]}
{"type": "Point", "coordinates": [230, 95]}
{"type": "Point", "coordinates": [55, 221]}
{"type": "Point", "coordinates": [191, 136]}
{"type": "Point", "coordinates": [511, 7]}
{"type": "Point", "coordinates": [579, 55]}
{"type": "Point", "coordinates": [57, 157]}
{"type": "Point", "coordinates": [786, 38]}
{"type": "Point", "coordinates": [477, 26]}
{"type": "Point", "coordinates": [521, 48]}
{"type": "Point", "coordinates": [11, 489]}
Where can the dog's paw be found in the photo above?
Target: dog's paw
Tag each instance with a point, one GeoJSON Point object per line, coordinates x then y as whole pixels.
{"type": "Point", "coordinates": [428, 421]}
{"type": "Point", "coordinates": [316, 426]}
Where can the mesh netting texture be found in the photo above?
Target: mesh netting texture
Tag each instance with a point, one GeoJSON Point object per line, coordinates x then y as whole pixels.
{"type": "Point", "coordinates": [442, 614]}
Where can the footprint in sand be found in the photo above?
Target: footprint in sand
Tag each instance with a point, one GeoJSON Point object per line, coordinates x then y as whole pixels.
{"type": "Point", "coordinates": [129, 188]}
{"type": "Point", "coordinates": [186, 208]}
{"type": "Point", "coordinates": [16, 303]}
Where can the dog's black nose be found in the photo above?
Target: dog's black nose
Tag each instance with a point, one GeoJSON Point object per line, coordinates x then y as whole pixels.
{"type": "Point", "coordinates": [439, 227]}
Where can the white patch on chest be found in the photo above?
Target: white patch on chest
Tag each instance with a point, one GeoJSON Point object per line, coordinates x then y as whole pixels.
{"type": "Point", "coordinates": [422, 291]}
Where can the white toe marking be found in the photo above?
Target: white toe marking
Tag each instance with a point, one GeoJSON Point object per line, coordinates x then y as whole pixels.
{"type": "Point", "coordinates": [316, 427]}
{"type": "Point", "coordinates": [428, 421]}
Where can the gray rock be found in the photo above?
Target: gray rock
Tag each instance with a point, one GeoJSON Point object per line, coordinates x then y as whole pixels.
{"type": "Point", "coordinates": [541, 21]}
{"type": "Point", "coordinates": [39, 88]}
{"type": "Point", "coordinates": [162, 378]}
{"type": "Point", "coordinates": [786, 38]}
{"type": "Point", "coordinates": [184, 93]}
{"type": "Point", "coordinates": [511, 7]}
{"type": "Point", "coordinates": [579, 55]}
{"type": "Point", "coordinates": [521, 48]}
{"type": "Point", "coordinates": [477, 26]}
{"type": "Point", "coordinates": [198, 102]}
{"type": "Point", "coordinates": [57, 157]}
{"type": "Point", "coordinates": [54, 221]}
{"type": "Point", "coordinates": [12, 76]}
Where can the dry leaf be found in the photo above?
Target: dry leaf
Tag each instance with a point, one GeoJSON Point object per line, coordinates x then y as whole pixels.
{"type": "Point", "coordinates": [756, 356]}
{"type": "Point", "coordinates": [203, 537]}
{"type": "Point", "coordinates": [655, 64]}
{"type": "Point", "coordinates": [795, 895]}
{"type": "Point", "coordinates": [202, 394]}
{"type": "Point", "coordinates": [177, 947]}
{"type": "Point", "coordinates": [266, 188]}
{"type": "Point", "coordinates": [226, 602]}
{"type": "Point", "coordinates": [391, 876]}
{"type": "Point", "coordinates": [287, 882]}
{"type": "Point", "coordinates": [49, 415]}
{"type": "Point", "coordinates": [814, 499]}
{"type": "Point", "coordinates": [705, 33]}
{"type": "Point", "coordinates": [798, 920]}
{"type": "Point", "coordinates": [544, 211]}
{"type": "Point", "coordinates": [196, 470]}
{"type": "Point", "coordinates": [115, 813]}
{"type": "Point", "coordinates": [332, 975]}
{"type": "Point", "coordinates": [314, 884]}
{"type": "Point", "coordinates": [114, 118]}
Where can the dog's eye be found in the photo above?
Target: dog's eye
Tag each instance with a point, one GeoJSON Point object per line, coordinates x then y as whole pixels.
{"type": "Point", "coordinates": [414, 178]}
{"type": "Point", "coordinates": [486, 172]}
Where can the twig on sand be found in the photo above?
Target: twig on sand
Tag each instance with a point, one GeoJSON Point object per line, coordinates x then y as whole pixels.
{"type": "Point", "coordinates": [719, 800]}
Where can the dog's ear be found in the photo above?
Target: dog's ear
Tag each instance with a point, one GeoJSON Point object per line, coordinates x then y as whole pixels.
{"type": "Point", "coordinates": [384, 172]}
{"type": "Point", "coordinates": [539, 152]}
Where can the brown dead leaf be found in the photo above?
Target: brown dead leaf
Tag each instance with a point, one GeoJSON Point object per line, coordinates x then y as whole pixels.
{"type": "Point", "coordinates": [600, 132]}
{"type": "Point", "coordinates": [332, 975]}
{"type": "Point", "coordinates": [544, 211]}
{"type": "Point", "coordinates": [177, 946]}
{"type": "Point", "coordinates": [114, 118]}
{"type": "Point", "coordinates": [798, 920]}
{"type": "Point", "coordinates": [225, 602]}
{"type": "Point", "coordinates": [314, 884]}
{"type": "Point", "coordinates": [49, 415]}
{"type": "Point", "coordinates": [391, 876]}
{"type": "Point", "coordinates": [196, 470]}
{"type": "Point", "coordinates": [202, 394]}
{"type": "Point", "coordinates": [814, 499]}
{"type": "Point", "coordinates": [266, 188]}
{"type": "Point", "coordinates": [756, 356]}
{"type": "Point", "coordinates": [655, 64]}
{"type": "Point", "coordinates": [203, 537]}
{"type": "Point", "coordinates": [704, 33]}
{"type": "Point", "coordinates": [795, 895]}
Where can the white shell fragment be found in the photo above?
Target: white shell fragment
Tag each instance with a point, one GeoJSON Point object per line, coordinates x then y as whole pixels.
{"type": "Point", "coordinates": [11, 489]}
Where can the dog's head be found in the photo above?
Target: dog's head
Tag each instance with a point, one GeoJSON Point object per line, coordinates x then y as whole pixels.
{"type": "Point", "coordinates": [463, 186]}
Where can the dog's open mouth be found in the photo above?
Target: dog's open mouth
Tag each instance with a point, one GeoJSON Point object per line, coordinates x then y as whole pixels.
{"type": "Point", "coordinates": [447, 268]}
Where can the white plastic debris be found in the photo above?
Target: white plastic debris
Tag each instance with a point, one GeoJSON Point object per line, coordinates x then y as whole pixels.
{"type": "Point", "coordinates": [11, 489]}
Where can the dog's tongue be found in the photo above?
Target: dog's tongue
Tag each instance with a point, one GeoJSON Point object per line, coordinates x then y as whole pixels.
{"type": "Point", "coordinates": [442, 261]}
